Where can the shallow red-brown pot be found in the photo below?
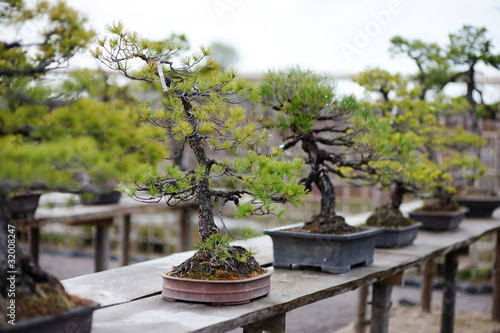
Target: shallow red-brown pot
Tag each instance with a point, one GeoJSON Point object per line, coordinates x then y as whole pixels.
{"type": "Point", "coordinates": [217, 292]}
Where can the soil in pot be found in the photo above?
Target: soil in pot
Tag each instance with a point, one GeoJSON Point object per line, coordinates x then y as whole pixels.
{"type": "Point", "coordinates": [332, 225]}
{"type": "Point", "coordinates": [219, 274]}
{"type": "Point", "coordinates": [231, 263]}
{"type": "Point", "coordinates": [398, 230]}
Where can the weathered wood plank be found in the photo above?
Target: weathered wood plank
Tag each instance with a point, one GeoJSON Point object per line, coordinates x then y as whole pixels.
{"type": "Point", "coordinates": [133, 285]}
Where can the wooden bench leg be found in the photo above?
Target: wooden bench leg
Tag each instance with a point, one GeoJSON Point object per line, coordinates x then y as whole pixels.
{"type": "Point", "coordinates": [449, 292]}
{"type": "Point", "coordinates": [381, 304]}
{"type": "Point", "coordinates": [101, 248]}
{"type": "Point", "coordinates": [426, 288]}
{"type": "Point", "coordinates": [274, 324]}
{"type": "Point", "coordinates": [495, 310]}
{"type": "Point", "coordinates": [34, 243]}
{"type": "Point", "coordinates": [361, 321]}
{"type": "Point", "coordinates": [124, 224]}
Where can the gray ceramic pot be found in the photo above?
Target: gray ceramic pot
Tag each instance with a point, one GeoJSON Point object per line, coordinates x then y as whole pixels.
{"type": "Point", "coordinates": [394, 238]}
{"type": "Point", "coordinates": [330, 253]}
{"type": "Point", "coordinates": [78, 320]}
{"type": "Point", "coordinates": [439, 221]}
{"type": "Point", "coordinates": [479, 207]}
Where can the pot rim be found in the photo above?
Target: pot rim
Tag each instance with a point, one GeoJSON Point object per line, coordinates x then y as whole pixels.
{"type": "Point", "coordinates": [415, 225]}
{"type": "Point", "coordinates": [281, 231]}
{"type": "Point", "coordinates": [270, 271]}
{"type": "Point", "coordinates": [479, 199]}
{"type": "Point", "coordinates": [461, 211]}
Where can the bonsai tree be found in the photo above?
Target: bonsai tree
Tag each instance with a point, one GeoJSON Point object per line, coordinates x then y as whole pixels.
{"type": "Point", "coordinates": [201, 109]}
{"type": "Point", "coordinates": [439, 150]}
{"type": "Point", "coordinates": [469, 49]}
{"type": "Point", "coordinates": [337, 135]}
{"type": "Point", "coordinates": [48, 136]}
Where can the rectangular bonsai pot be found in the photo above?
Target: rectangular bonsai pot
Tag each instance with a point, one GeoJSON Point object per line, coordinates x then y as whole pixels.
{"type": "Point", "coordinates": [331, 253]}
{"type": "Point", "coordinates": [393, 238]}
{"type": "Point", "coordinates": [77, 320]}
{"type": "Point", "coordinates": [24, 204]}
{"type": "Point", "coordinates": [479, 207]}
{"type": "Point", "coordinates": [439, 221]}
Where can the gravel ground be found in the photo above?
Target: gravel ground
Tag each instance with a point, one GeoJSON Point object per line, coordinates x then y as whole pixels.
{"type": "Point", "coordinates": [325, 316]}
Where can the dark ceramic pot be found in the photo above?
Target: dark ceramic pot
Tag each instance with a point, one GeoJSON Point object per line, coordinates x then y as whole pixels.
{"type": "Point", "coordinates": [330, 253]}
{"type": "Point", "coordinates": [439, 221]}
{"type": "Point", "coordinates": [105, 198]}
{"type": "Point", "coordinates": [216, 292]}
{"type": "Point", "coordinates": [394, 238]}
{"type": "Point", "coordinates": [479, 207]}
{"type": "Point", "coordinates": [78, 320]}
{"type": "Point", "coordinates": [24, 205]}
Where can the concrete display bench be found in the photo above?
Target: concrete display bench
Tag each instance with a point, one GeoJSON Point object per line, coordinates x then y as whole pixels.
{"type": "Point", "coordinates": [132, 301]}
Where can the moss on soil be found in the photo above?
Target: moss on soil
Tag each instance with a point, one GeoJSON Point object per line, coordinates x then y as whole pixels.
{"type": "Point", "coordinates": [388, 218]}
{"type": "Point", "coordinates": [331, 225]}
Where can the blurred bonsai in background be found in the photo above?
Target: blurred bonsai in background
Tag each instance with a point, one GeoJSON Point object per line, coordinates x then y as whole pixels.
{"type": "Point", "coordinates": [468, 52]}
{"type": "Point", "coordinates": [49, 136]}
{"type": "Point", "coordinates": [440, 151]}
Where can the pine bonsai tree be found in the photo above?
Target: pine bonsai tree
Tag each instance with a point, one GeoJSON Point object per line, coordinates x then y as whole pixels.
{"type": "Point", "coordinates": [201, 110]}
{"type": "Point", "coordinates": [338, 137]}
{"type": "Point", "coordinates": [469, 50]}
{"type": "Point", "coordinates": [48, 136]}
{"type": "Point", "coordinates": [441, 150]}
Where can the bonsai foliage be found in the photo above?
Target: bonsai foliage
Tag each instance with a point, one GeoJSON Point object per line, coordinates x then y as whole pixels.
{"type": "Point", "coordinates": [440, 150]}
{"type": "Point", "coordinates": [202, 110]}
{"type": "Point", "coordinates": [468, 51]}
{"type": "Point", "coordinates": [423, 108]}
{"type": "Point", "coordinates": [49, 137]}
{"type": "Point", "coordinates": [338, 136]}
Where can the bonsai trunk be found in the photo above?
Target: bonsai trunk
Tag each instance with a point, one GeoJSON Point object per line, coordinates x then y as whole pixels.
{"type": "Point", "coordinates": [327, 190]}
{"type": "Point", "coordinates": [319, 177]}
{"type": "Point", "coordinates": [397, 194]}
{"type": "Point", "coordinates": [206, 223]}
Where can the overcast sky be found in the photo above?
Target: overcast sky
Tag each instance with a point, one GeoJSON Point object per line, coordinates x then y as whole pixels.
{"type": "Point", "coordinates": [326, 36]}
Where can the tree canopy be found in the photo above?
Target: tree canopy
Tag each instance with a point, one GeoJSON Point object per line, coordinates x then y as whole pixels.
{"type": "Point", "coordinates": [202, 109]}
